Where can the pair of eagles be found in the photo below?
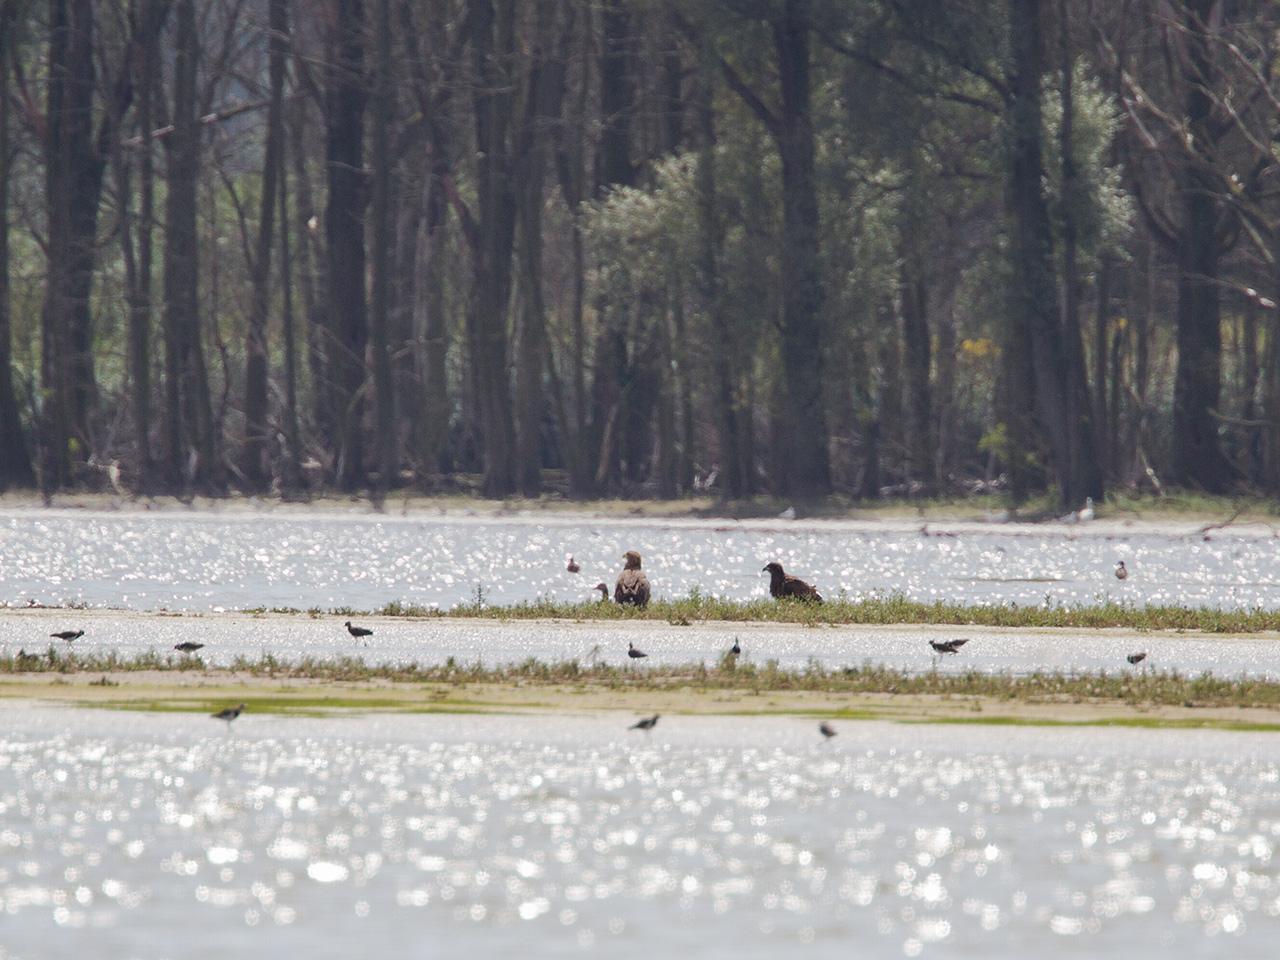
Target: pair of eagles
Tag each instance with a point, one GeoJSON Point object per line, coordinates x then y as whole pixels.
{"type": "Point", "coordinates": [633, 586]}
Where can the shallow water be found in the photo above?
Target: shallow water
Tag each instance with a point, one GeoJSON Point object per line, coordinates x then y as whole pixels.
{"type": "Point", "coordinates": [147, 836]}
{"type": "Point", "coordinates": [240, 561]}
{"type": "Point", "coordinates": [398, 640]}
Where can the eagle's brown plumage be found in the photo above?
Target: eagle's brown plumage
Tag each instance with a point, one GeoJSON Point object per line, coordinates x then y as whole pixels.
{"type": "Point", "coordinates": [782, 584]}
{"type": "Point", "coordinates": [633, 585]}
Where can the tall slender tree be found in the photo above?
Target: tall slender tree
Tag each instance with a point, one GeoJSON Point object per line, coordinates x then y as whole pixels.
{"type": "Point", "coordinates": [15, 459]}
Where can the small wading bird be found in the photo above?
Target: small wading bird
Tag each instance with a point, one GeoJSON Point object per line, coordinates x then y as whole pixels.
{"type": "Point", "coordinates": [188, 646]}
{"type": "Point", "coordinates": [948, 646]}
{"type": "Point", "coordinates": [633, 585]}
{"type": "Point", "coordinates": [633, 653]}
{"type": "Point", "coordinates": [229, 714]}
{"type": "Point", "coordinates": [604, 591]}
{"type": "Point", "coordinates": [1136, 658]}
{"type": "Point", "coordinates": [1122, 572]}
{"type": "Point", "coordinates": [646, 724]}
{"type": "Point", "coordinates": [736, 648]}
{"type": "Point", "coordinates": [782, 584]}
{"type": "Point", "coordinates": [572, 565]}
{"type": "Point", "coordinates": [358, 632]}
{"type": "Point", "coordinates": [826, 730]}
{"type": "Point", "coordinates": [68, 635]}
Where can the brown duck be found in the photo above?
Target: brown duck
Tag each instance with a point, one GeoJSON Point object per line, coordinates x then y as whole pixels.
{"type": "Point", "coordinates": [782, 584]}
{"type": "Point", "coordinates": [633, 585]}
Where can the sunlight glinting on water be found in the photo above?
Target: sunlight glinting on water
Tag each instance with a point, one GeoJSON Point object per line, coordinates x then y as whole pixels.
{"type": "Point", "coordinates": [203, 562]}
{"type": "Point", "coordinates": [573, 836]}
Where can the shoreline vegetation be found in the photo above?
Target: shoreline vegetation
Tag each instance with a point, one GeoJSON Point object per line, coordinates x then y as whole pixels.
{"type": "Point", "coordinates": [895, 610]}
{"type": "Point", "coordinates": [1183, 506]}
{"type": "Point", "coordinates": [322, 686]}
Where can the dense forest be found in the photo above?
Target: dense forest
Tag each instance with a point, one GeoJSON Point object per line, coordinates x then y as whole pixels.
{"type": "Point", "coordinates": [640, 248]}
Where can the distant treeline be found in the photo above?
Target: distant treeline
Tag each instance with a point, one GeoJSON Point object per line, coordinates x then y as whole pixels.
{"type": "Point", "coordinates": [640, 247]}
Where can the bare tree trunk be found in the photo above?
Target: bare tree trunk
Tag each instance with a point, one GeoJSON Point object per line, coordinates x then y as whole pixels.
{"type": "Point", "coordinates": [808, 468]}
{"type": "Point", "coordinates": [381, 318]}
{"type": "Point", "coordinates": [433, 437]}
{"type": "Point", "coordinates": [917, 359]}
{"type": "Point", "coordinates": [541, 108]}
{"type": "Point", "coordinates": [1101, 360]}
{"type": "Point", "coordinates": [15, 460]}
{"type": "Point", "coordinates": [1198, 459]}
{"type": "Point", "coordinates": [493, 43]}
{"type": "Point", "coordinates": [309, 284]}
{"type": "Point", "coordinates": [291, 475]}
{"type": "Point", "coordinates": [193, 456]}
{"type": "Point", "coordinates": [255, 461]}
{"type": "Point", "coordinates": [141, 314]}
{"type": "Point", "coordinates": [347, 314]}
{"type": "Point", "coordinates": [1056, 352]}
{"type": "Point", "coordinates": [720, 345]}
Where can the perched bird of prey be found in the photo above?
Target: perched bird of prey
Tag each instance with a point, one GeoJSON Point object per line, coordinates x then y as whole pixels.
{"type": "Point", "coordinates": [1136, 658]}
{"type": "Point", "coordinates": [229, 714]}
{"type": "Point", "coordinates": [826, 730]}
{"type": "Point", "coordinates": [633, 585]}
{"type": "Point", "coordinates": [188, 646]}
{"type": "Point", "coordinates": [948, 646]}
{"type": "Point", "coordinates": [633, 653]}
{"type": "Point", "coordinates": [646, 724]}
{"type": "Point", "coordinates": [358, 632]}
{"type": "Point", "coordinates": [572, 566]}
{"type": "Point", "coordinates": [1122, 572]}
{"type": "Point", "coordinates": [782, 584]}
{"type": "Point", "coordinates": [68, 635]}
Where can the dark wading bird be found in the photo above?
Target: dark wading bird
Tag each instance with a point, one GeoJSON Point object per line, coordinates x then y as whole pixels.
{"type": "Point", "coordinates": [826, 730]}
{"type": "Point", "coordinates": [633, 653]}
{"type": "Point", "coordinates": [604, 591]}
{"type": "Point", "coordinates": [1122, 572]}
{"type": "Point", "coordinates": [782, 584]}
{"type": "Point", "coordinates": [646, 724]}
{"type": "Point", "coordinates": [188, 646]}
{"type": "Point", "coordinates": [736, 648]}
{"type": "Point", "coordinates": [68, 635]}
{"type": "Point", "coordinates": [229, 714]}
{"type": "Point", "coordinates": [948, 646]}
{"type": "Point", "coordinates": [633, 585]}
{"type": "Point", "coordinates": [572, 565]}
{"type": "Point", "coordinates": [358, 632]}
{"type": "Point", "coordinates": [1136, 658]}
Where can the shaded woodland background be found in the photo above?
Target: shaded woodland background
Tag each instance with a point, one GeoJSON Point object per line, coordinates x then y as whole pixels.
{"type": "Point", "coordinates": [640, 248]}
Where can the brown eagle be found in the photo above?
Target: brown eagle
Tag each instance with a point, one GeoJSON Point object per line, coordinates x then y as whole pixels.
{"type": "Point", "coordinates": [782, 584]}
{"type": "Point", "coordinates": [633, 585]}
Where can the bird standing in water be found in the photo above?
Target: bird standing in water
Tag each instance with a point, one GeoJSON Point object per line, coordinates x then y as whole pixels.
{"type": "Point", "coordinates": [782, 584]}
{"type": "Point", "coordinates": [826, 730]}
{"type": "Point", "coordinates": [229, 714]}
{"type": "Point", "coordinates": [1136, 658]}
{"type": "Point", "coordinates": [1122, 572]}
{"type": "Point", "coordinates": [68, 635]}
{"type": "Point", "coordinates": [646, 724]}
{"type": "Point", "coordinates": [188, 646]}
{"type": "Point", "coordinates": [633, 585]}
{"type": "Point", "coordinates": [358, 632]}
{"type": "Point", "coordinates": [736, 648]}
{"type": "Point", "coordinates": [633, 653]}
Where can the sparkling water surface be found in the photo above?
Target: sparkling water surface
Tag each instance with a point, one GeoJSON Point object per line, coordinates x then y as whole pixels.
{"type": "Point", "coordinates": [205, 561]}
{"type": "Point", "coordinates": [138, 835]}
